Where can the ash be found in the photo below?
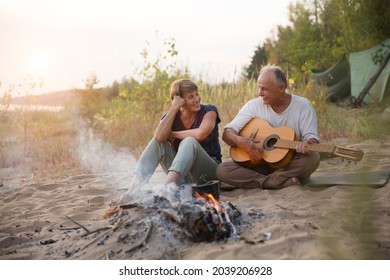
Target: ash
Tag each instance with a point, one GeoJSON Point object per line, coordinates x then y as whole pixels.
{"type": "Point", "coordinates": [156, 225]}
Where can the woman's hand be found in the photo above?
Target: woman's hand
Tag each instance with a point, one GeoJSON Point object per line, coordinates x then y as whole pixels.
{"type": "Point", "coordinates": [177, 102]}
{"type": "Point", "coordinates": [163, 130]}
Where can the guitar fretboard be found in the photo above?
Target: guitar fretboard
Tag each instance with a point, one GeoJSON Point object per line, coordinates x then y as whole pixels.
{"type": "Point", "coordinates": [289, 144]}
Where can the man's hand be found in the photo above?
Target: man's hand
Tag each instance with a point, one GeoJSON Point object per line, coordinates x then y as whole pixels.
{"type": "Point", "coordinates": [252, 147]}
{"type": "Point", "coordinates": [303, 147]}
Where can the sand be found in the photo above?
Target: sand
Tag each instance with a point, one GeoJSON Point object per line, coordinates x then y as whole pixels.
{"type": "Point", "coordinates": [299, 222]}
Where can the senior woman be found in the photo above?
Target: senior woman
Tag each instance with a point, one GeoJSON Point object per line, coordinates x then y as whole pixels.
{"type": "Point", "coordinates": [185, 143]}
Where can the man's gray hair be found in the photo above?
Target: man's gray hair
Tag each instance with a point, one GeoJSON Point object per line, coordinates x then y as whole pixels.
{"type": "Point", "coordinates": [280, 76]}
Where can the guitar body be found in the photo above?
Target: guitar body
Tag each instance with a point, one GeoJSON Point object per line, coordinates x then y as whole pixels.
{"type": "Point", "coordinates": [259, 129]}
{"type": "Point", "coordinates": [279, 146]}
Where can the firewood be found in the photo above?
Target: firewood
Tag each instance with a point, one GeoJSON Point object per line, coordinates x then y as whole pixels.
{"type": "Point", "coordinates": [143, 241]}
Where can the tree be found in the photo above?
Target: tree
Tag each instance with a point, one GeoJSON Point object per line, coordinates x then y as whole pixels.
{"type": "Point", "coordinates": [91, 81]}
{"type": "Point", "coordinates": [258, 59]}
{"type": "Point", "coordinates": [321, 31]}
{"type": "Point", "coordinates": [298, 46]}
{"type": "Point", "coordinates": [113, 91]}
{"type": "Point", "coordinates": [91, 99]}
{"type": "Point", "coordinates": [355, 25]}
{"type": "Point", "coordinates": [128, 118]}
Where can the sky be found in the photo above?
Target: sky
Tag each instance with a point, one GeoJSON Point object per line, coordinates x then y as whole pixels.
{"type": "Point", "coordinates": [63, 42]}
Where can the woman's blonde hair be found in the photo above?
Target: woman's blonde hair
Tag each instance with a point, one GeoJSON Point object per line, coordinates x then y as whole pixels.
{"type": "Point", "coordinates": [181, 86]}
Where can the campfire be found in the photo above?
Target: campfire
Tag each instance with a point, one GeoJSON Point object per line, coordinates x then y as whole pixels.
{"type": "Point", "coordinates": [154, 225]}
{"type": "Point", "coordinates": [204, 217]}
{"type": "Point", "coordinates": [155, 221]}
{"type": "Point", "coordinates": [207, 219]}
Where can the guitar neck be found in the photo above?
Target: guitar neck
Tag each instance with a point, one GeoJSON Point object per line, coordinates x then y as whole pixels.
{"type": "Point", "coordinates": [290, 144]}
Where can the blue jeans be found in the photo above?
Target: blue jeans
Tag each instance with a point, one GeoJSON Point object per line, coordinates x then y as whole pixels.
{"type": "Point", "coordinates": [191, 160]}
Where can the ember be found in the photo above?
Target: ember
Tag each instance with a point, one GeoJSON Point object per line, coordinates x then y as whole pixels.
{"type": "Point", "coordinates": [207, 219]}
{"type": "Point", "coordinates": [200, 214]}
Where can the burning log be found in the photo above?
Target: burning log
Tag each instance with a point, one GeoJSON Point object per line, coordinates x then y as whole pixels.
{"type": "Point", "coordinates": [207, 219]}
{"type": "Point", "coordinates": [203, 217]}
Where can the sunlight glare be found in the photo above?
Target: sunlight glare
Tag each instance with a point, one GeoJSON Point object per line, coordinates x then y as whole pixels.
{"type": "Point", "coordinates": [40, 62]}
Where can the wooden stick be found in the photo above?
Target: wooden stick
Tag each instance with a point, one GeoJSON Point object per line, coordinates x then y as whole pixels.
{"type": "Point", "coordinates": [80, 225]}
{"type": "Point", "coordinates": [93, 241]}
{"type": "Point", "coordinates": [88, 232]}
{"type": "Point", "coordinates": [162, 254]}
{"type": "Point", "coordinates": [130, 205]}
{"type": "Point", "coordinates": [118, 223]}
{"type": "Point", "coordinates": [284, 208]}
{"type": "Point", "coordinates": [96, 230]}
{"type": "Point", "coordinates": [142, 242]}
{"type": "Point", "coordinates": [70, 228]}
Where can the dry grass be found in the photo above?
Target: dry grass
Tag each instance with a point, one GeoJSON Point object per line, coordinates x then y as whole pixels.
{"type": "Point", "coordinates": [48, 141]}
{"type": "Point", "coordinates": [44, 141]}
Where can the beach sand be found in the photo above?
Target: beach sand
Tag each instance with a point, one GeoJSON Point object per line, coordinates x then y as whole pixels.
{"type": "Point", "coordinates": [49, 219]}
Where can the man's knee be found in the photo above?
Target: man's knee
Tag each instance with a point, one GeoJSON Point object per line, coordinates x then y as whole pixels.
{"type": "Point", "coordinates": [220, 172]}
{"type": "Point", "coordinates": [314, 160]}
{"type": "Point", "coordinates": [309, 165]}
{"type": "Point", "coordinates": [225, 169]}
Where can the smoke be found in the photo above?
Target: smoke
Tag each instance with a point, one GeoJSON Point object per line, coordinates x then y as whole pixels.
{"type": "Point", "coordinates": [100, 157]}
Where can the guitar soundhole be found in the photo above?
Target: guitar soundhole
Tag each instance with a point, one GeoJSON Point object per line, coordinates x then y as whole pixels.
{"type": "Point", "coordinates": [270, 142]}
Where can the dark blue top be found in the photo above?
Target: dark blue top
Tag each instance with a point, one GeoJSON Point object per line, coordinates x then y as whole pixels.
{"type": "Point", "coordinates": [211, 143]}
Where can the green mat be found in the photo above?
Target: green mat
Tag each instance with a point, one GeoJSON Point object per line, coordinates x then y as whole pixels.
{"type": "Point", "coordinates": [374, 179]}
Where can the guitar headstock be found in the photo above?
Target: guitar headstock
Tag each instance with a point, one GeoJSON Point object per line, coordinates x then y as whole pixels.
{"type": "Point", "coordinates": [349, 153]}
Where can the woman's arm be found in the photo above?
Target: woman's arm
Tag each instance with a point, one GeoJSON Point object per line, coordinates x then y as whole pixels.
{"type": "Point", "coordinates": [164, 128]}
{"type": "Point", "coordinates": [200, 133]}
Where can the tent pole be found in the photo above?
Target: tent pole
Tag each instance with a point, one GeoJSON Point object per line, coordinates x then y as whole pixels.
{"type": "Point", "coordinates": [372, 81]}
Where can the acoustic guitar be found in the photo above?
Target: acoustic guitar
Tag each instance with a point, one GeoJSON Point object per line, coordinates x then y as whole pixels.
{"type": "Point", "coordinates": [279, 145]}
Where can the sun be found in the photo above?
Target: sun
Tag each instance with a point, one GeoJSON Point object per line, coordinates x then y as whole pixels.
{"type": "Point", "coordinates": [40, 62]}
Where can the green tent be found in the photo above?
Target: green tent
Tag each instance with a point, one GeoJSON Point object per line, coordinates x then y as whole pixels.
{"type": "Point", "coordinates": [337, 79]}
{"type": "Point", "coordinates": [363, 68]}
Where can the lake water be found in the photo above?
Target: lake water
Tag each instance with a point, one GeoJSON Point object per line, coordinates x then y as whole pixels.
{"type": "Point", "coordinates": [21, 107]}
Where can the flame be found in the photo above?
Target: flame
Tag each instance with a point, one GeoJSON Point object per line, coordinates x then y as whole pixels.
{"type": "Point", "coordinates": [218, 212]}
{"type": "Point", "coordinates": [216, 203]}
{"type": "Point", "coordinates": [209, 200]}
{"type": "Point", "coordinates": [204, 197]}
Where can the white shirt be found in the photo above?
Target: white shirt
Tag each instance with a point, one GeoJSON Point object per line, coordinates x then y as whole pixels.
{"type": "Point", "coordinates": [299, 115]}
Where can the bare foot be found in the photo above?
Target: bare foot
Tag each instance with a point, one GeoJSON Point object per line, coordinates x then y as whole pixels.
{"type": "Point", "coordinates": [123, 199]}
{"type": "Point", "coordinates": [271, 184]}
{"type": "Point", "coordinates": [173, 193]}
{"type": "Point", "coordinates": [294, 181]}
{"type": "Point", "coordinates": [138, 182]}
